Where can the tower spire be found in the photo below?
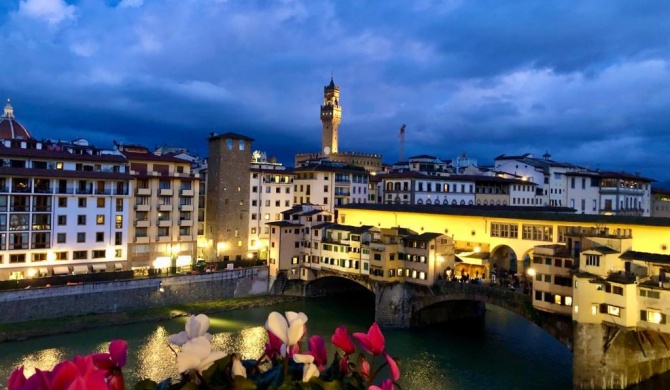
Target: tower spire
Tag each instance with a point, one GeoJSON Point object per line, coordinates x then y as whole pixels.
{"type": "Point", "coordinates": [331, 116]}
{"type": "Point", "coordinates": [9, 110]}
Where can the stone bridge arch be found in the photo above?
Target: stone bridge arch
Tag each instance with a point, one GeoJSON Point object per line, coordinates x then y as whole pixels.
{"type": "Point", "coordinates": [504, 257]}
{"type": "Point", "coordinates": [328, 284]}
{"type": "Point", "coordinates": [408, 306]}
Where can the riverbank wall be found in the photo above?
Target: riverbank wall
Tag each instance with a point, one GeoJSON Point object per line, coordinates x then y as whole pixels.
{"type": "Point", "coordinates": [128, 295]}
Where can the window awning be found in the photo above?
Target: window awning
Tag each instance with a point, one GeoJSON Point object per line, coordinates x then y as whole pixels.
{"type": "Point", "coordinates": [184, 260]}
{"type": "Point", "coordinates": [118, 266]}
{"type": "Point", "coordinates": [61, 270]}
{"type": "Point", "coordinates": [80, 269]}
{"type": "Point", "coordinates": [43, 271]}
{"type": "Point", "coordinates": [99, 267]}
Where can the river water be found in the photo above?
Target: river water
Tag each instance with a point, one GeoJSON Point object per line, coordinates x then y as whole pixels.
{"type": "Point", "coordinates": [502, 352]}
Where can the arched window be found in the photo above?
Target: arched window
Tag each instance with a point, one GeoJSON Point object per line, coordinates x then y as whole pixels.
{"type": "Point", "coordinates": [420, 201]}
{"type": "Point", "coordinates": [445, 201]}
{"type": "Point", "coordinates": [497, 202]}
{"type": "Point", "coordinates": [428, 201]}
{"type": "Point", "coordinates": [486, 202]}
{"type": "Point", "coordinates": [389, 186]}
{"type": "Point", "coordinates": [462, 202]}
{"type": "Point", "coordinates": [470, 203]}
{"type": "Point", "coordinates": [397, 186]}
{"type": "Point", "coordinates": [453, 202]}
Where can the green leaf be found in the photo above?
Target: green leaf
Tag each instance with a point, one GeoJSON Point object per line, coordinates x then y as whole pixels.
{"type": "Point", "coordinates": [146, 384]}
{"type": "Point", "coordinates": [242, 383]}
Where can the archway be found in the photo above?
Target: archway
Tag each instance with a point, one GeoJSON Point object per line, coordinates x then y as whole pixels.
{"type": "Point", "coordinates": [336, 285]}
{"type": "Point", "coordinates": [504, 258]}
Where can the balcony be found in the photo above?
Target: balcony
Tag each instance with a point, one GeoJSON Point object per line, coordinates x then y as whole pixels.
{"type": "Point", "coordinates": [142, 223]}
{"type": "Point", "coordinates": [164, 222]}
{"type": "Point", "coordinates": [121, 191]}
{"type": "Point", "coordinates": [186, 222]}
{"type": "Point", "coordinates": [142, 240]}
{"type": "Point", "coordinates": [142, 207]}
{"type": "Point", "coordinates": [103, 191]}
{"type": "Point", "coordinates": [164, 207]}
{"type": "Point", "coordinates": [84, 191]}
{"type": "Point", "coordinates": [43, 190]}
{"type": "Point", "coordinates": [186, 207]}
{"type": "Point", "coordinates": [165, 192]}
{"type": "Point", "coordinates": [144, 191]}
{"type": "Point", "coordinates": [65, 190]}
{"type": "Point", "coordinates": [163, 238]}
{"type": "Point", "coordinates": [186, 192]}
{"type": "Point", "coordinates": [185, 238]}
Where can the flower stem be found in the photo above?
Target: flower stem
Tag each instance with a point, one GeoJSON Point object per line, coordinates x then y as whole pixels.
{"type": "Point", "coordinates": [373, 373]}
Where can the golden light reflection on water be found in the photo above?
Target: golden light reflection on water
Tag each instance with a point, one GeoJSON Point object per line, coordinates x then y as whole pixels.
{"type": "Point", "coordinates": [156, 361]}
{"type": "Point", "coordinates": [45, 359]}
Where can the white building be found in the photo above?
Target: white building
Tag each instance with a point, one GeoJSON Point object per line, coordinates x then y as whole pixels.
{"type": "Point", "coordinates": [330, 184]}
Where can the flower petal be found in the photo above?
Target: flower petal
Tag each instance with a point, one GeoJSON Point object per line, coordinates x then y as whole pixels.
{"type": "Point", "coordinates": [203, 324]}
{"type": "Point", "coordinates": [209, 360]}
{"type": "Point", "coordinates": [395, 371]}
{"type": "Point", "coordinates": [187, 361]}
{"type": "Point", "coordinates": [238, 368]}
{"type": "Point", "coordinates": [342, 340]}
{"type": "Point", "coordinates": [17, 379]}
{"type": "Point", "coordinates": [295, 331]}
{"type": "Point", "coordinates": [376, 339]}
{"type": "Point", "coordinates": [303, 358]}
{"type": "Point", "coordinates": [309, 371]}
{"type": "Point", "coordinates": [199, 347]}
{"type": "Point", "coordinates": [192, 327]}
{"type": "Point", "coordinates": [64, 374]}
{"type": "Point", "coordinates": [118, 349]}
{"type": "Point", "coordinates": [278, 325]}
{"type": "Point", "coordinates": [363, 341]}
{"type": "Point", "coordinates": [318, 349]}
{"type": "Point", "coordinates": [180, 338]}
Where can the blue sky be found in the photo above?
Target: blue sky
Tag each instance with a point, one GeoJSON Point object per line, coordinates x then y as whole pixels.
{"type": "Point", "coordinates": [588, 81]}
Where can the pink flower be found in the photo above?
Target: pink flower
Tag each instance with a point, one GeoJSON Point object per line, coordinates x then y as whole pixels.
{"type": "Point", "coordinates": [342, 340]}
{"type": "Point", "coordinates": [373, 341]}
{"type": "Point", "coordinates": [317, 348]}
{"type": "Point", "coordinates": [112, 363]}
{"type": "Point", "coordinates": [386, 385]}
{"type": "Point", "coordinates": [364, 367]}
{"type": "Point", "coordinates": [273, 347]}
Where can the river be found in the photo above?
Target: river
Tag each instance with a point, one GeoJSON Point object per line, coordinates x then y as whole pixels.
{"type": "Point", "coordinates": [502, 352]}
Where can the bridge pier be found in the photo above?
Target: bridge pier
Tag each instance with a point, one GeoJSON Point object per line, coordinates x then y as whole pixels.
{"type": "Point", "coordinates": [606, 357]}
{"type": "Point", "coordinates": [393, 305]}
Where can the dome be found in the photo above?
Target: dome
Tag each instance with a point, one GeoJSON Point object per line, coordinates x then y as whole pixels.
{"type": "Point", "coordinates": [10, 128]}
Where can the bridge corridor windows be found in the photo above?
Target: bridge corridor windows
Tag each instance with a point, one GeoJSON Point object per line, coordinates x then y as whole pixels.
{"type": "Point", "coordinates": [537, 232]}
{"type": "Point", "coordinates": [504, 230]}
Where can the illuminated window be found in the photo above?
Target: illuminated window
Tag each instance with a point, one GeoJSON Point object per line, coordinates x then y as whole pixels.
{"type": "Point", "coordinates": [594, 309]}
{"type": "Point", "coordinates": [652, 316]}
{"type": "Point", "coordinates": [614, 311]}
{"type": "Point", "coordinates": [557, 299]}
{"type": "Point", "coordinates": [100, 219]}
{"type": "Point", "coordinates": [119, 221]}
{"type": "Point", "coordinates": [568, 302]}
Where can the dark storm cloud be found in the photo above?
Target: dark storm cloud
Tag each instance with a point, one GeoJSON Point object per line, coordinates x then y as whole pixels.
{"type": "Point", "coordinates": [579, 79]}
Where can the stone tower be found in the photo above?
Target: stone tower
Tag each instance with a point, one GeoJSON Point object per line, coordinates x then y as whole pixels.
{"type": "Point", "coordinates": [331, 116]}
{"type": "Point", "coordinates": [227, 212]}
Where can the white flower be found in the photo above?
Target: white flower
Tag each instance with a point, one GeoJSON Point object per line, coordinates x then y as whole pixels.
{"type": "Point", "coordinates": [238, 368]}
{"type": "Point", "coordinates": [196, 326]}
{"type": "Point", "coordinates": [289, 329]}
{"type": "Point", "coordinates": [309, 370]}
{"type": "Point", "coordinates": [197, 355]}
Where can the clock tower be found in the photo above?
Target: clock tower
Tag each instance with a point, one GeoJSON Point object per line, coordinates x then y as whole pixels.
{"type": "Point", "coordinates": [331, 116]}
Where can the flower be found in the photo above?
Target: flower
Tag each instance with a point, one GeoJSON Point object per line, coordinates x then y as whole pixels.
{"type": "Point", "coordinates": [273, 347]}
{"type": "Point", "coordinates": [79, 374]}
{"type": "Point", "coordinates": [373, 343]}
{"type": "Point", "coordinates": [289, 329]}
{"type": "Point", "coordinates": [317, 348]}
{"type": "Point", "coordinates": [197, 355]}
{"type": "Point", "coordinates": [386, 385]}
{"type": "Point", "coordinates": [342, 340]}
{"type": "Point", "coordinates": [309, 370]}
{"type": "Point", "coordinates": [364, 367]}
{"type": "Point", "coordinates": [196, 326]}
{"type": "Point", "coordinates": [112, 363]}
{"type": "Point", "coordinates": [238, 368]}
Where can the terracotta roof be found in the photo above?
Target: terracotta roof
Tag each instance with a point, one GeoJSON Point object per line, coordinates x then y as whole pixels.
{"type": "Point", "coordinates": [55, 154]}
{"type": "Point", "coordinates": [645, 256]}
{"type": "Point", "coordinates": [58, 173]}
{"type": "Point", "coordinates": [624, 175]}
{"type": "Point", "coordinates": [230, 135]}
{"type": "Point", "coordinates": [152, 157]}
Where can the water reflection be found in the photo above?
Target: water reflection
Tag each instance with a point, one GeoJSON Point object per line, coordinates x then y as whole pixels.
{"type": "Point", "coordinates": [155, 360]}
{"type": "Point", "coordinates": [43, 360]}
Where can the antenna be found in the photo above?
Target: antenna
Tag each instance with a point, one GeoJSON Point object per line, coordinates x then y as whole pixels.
{"type": "Point", "coordinates": [401, 136]}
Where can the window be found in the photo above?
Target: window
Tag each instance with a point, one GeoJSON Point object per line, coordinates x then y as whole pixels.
{"type": "Point", "coordinates": [118, 238]}
{"type": "Point", "coordinates": [81, 237]}
{"type": "Point", "coordinates": [98, 254]}
{"type": "Point", "coordinates": [119, 205]}
{"type": "Point", "coordinates": [118, 221]}
{"type": "Point", "coordinates": [163, 231]}
{"type": "Point", "coordinates": [653, 316]}
{"type": "Point", "coordinates": [17, 258]}
{"type": "Point", "coordinates": [100, 202]}
{"type": "Point", "coordinates": [37, 257]}
{"type": "Point", "coordinates": [62, 255]}
{"type": "Point", "coordinates": [100, 219]}
{"type": "Point", "coordinates": [62, 220]}
{"type": "Point", "coordinates": [82, 202]}
{"type": "Point", "coordinates": [62, 202]}
{"type": "Point", "coordinates": [61, 238]}
{"type": "Point", "coordinates": [79, 255]}
{"type": "Point", "coordinates": [593, 260]}
{"type": "Point", "coordinates": [81, 220]}
{"type": "Point", "coordinates": [99, 237]}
